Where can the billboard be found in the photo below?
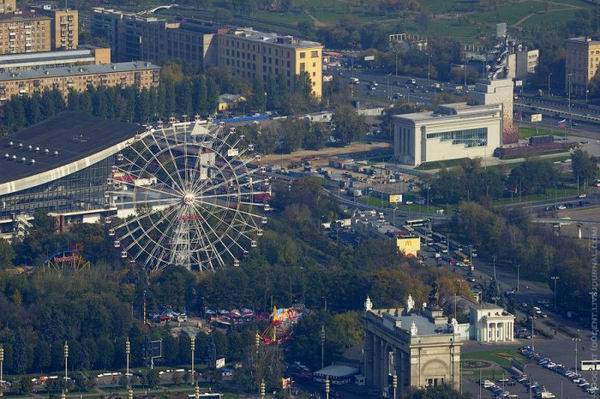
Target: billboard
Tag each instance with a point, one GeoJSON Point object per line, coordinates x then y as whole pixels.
{"type": "Point", "coordinates": [220, 363]}
{"type": "Point", "coordinates": [369, 58]}
{"type": "Point", "coordinates": [535, 118]}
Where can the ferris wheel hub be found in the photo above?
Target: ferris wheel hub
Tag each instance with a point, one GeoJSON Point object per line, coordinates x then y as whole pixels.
{"type": "Point", "coordinates": [189, 198]}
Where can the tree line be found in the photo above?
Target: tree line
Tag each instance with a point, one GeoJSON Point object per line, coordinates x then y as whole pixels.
{"type": "Point", "coordinates": [470, 181]}
{"type": "Point", "coordinates": [177, 94]}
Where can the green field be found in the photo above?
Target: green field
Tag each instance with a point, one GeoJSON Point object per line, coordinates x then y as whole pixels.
{"type": "Point", "coordinates": [527, 131]}
{"type": "Point", "coordinates": [464, 20]}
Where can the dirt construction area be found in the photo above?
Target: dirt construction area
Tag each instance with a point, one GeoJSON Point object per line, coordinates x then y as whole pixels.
{"type": "Point", "coordinates": [320, 157]}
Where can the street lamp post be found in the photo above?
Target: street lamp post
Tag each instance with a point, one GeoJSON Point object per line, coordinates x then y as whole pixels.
{"type": "Point", "coordinates": [576, 340]}
{"type": "Point", "coordinates": [327, 387]}
{"type": "Point", "coordinates": [1, 371]}
{"type": "Point", "coordinates": [66, 353]}
{"type": "Point", "coordinates": [518, 276]}
{"type": "Point", "coordinates": [532, 345]}
{"type": "Point", "coordinates": [193, 349]}
{"type": "Point", "coordinates": [394, 385]}
{"type": "Point", "coordinates": [555, 279]}
{"type": "Point", "coordinates": [322, 346]}
{"type": "Point", "coordinates": [128, 353]}
{"type": "Point", "coordinates": [549, 75]}
{"type": "Point", "coordinates": [262, 389]}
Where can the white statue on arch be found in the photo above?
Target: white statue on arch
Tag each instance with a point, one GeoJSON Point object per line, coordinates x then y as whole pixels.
{"type": "Point", "coordinates": [413, 329]}
{"type": "Point", "coordinates": [410, 304]}
{"type": "Point", "coordinates": [368, 304]}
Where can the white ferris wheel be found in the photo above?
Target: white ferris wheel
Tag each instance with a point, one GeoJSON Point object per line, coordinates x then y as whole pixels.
{"type": "Point", "coordinates": [189, 197]}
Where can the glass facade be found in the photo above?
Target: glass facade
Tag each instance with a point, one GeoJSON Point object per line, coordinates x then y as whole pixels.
{"type": "Point", "coordinates": [83, 190]}
{"type": "Point", "coordinates": [468, 137]}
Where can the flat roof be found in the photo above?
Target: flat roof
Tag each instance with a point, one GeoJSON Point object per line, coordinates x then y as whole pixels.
{"type": "Point", "coordinates": [424, 325]}
{"type": "Point", "coordinates": [461, 111]}
{"type": "Point", "coordinates": [75, 135]}
{"type": "Point", "coordinates": [46, 56]}
{"type": "Point", "coordinates": [49, 72]}
{"type": "Point", "coordinates": [22, 16]}
{"type": "Point", "coordinates": [271, 38]}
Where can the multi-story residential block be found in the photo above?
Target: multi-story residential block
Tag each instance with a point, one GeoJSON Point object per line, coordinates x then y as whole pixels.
{"type": "Point", "coordinates": [81, 56]}
{"type": "Point", "coordinates": [583, 59]}
{"type": "Point", "coordinates": [24, 32]}
{"type": "Point", "coordinates": [135, 37]}
{"type": "Point", "coordinates": [143, 75]}
{"type": "Point", "coordinates": [65, 28]}
{"type": "Point", "coordinates": [251, 54]}
{"type": "Point", "coordinates": [8, 6]}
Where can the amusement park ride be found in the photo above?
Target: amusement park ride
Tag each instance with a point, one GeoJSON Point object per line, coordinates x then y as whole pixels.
{"type": "Point", "coordinates": [68, 259]}
{"type": "Point", "coordinates": [280, 326]}
{"type": "Point", "coordinates": [187, 195]}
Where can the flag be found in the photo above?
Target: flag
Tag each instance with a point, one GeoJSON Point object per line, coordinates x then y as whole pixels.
{"type": "Point", "coordinates": [562, 124]}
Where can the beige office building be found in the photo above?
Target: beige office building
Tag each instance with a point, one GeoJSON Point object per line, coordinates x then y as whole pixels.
{"type": "Point", "coordinates": [46, 59]}
{"type": "Point", "coordinates": [8, 6]}
{"type": "Point", "coordinates": [143, 75]}
{"type": "Point", "coordinates": [250, 54]}
{"type": "Point", "coordinates": [24, 32]}
{"type": "Point", "coordinates": [583, 59]}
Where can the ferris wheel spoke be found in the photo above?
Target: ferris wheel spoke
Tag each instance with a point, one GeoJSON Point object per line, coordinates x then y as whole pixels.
{"type": "Point", "coordinates": [154, 255]}
{"type": "Point", "coordinates": [242, 194]}
{"type": "Point", "coordinates": [230, 226]}
{"type": "Point", "coordinates": [154, 159]}
{"type": "Point", "coordinates": [173, 158]}
{"type": "Point", "coordinates": [228, 208]}
{"type": "Point", "coordinates": [141, 227]}
{"type": "Point", "coordinates": [217, 253]}
{"type": "Point", "coordinates": [201, 230]}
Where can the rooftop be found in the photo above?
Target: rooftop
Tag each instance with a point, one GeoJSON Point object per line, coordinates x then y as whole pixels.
{"type": "Point", "coordinates": [585, 39]}
{"type": "Point", "coordinates": [73, 135]}
{"type": "Point", "coordinates": [272, 38]}
{"type": "Point", "coordinates": [45, 56]}
{"type": "Point", "coordinates": [451, 112]}
{"type": "Point", "coordinates": [49, 72]}
{"type": "Point", "coordinates": [22, 15]}
{"type": "Point", "coordinates": [424, 325]}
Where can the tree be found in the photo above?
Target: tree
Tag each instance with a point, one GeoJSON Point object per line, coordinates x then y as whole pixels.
{"type": "Point", "coordinates": [437, 392]}
{"type": "Point", "coordinates": [25, 386]}
{"type": "Point", "coordinates": [347, 125]}
{"type": "Point", "coordinates": [152, 378]}
{"type": "Point", "coordinates": [7, 254]}
{"type": "Point", "coordinates": [585, 168]}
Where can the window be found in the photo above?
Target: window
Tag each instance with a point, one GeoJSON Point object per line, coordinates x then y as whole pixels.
{"type": "Point", "coordinates": [314, 54]}
{"type": "Point", "coordinates": [302, 55]}
{"type": "Point", "coordinates": [468, 137]}
{"type": "Point", "coordinates": [302, 67]}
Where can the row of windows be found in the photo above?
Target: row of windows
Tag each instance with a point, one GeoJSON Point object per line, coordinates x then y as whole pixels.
{"type": "Point", "coordinates": [468, 137]}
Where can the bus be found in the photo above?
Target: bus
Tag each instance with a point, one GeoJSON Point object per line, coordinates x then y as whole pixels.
{"type": "Point", "coordinates": [417, 222]}
{"type": "Point", "coordinates": [590, 365]}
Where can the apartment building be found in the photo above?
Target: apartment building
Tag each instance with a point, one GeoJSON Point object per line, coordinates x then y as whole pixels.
{"type": "Point", "coordinates": [136, 37]}
{"type": "Point", "coordinates": [65, 28]}
{"type": "Point", "coordinates": [583, 59]}
{"type": "Point", "coordinates": [143, 75]}
{"type": "Point", "coordinates": [251, 53]}
{"type": "Point", "coordinates": [25, 32]}
{"type": "Point", "coordinates": [8, 6]}
{"type": "Point", "coordinates": [81, 56]}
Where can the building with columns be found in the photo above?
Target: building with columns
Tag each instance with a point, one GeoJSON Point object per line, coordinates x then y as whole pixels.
{"type": "Point", "coordinates": [491, 323]}
{"type": "Point", "coordinates": [416, 349]}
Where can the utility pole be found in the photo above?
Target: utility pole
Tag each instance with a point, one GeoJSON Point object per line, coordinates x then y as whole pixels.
{"type": "Point", "coordinates": [66, 353]}
{"type": "Point", "coordinates": [1, 370]}
{"type": "Point", "coordinates": [576, 340]}
{"type": "Point", "coordinates": [532, 345]}
{"type": "Point", "coordinates": [193, 350]}
{"type": "Point", "coordinates": [518, 276]}
{"type": "Point", "coordinates": [322, 346]}
{"type": "Point", "coordinates": [127, 354]}
{"type": "Point", "coordinates": [570, 114]}
{"type": "Point", "coordinates": [555, 279]}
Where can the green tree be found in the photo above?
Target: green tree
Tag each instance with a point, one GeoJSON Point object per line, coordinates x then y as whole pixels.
{"type": "Point", "coordinates": [7, 254]}
{"type": "Point", "coordinates": [25, 386]}
{"type": "Point", "coordinates": [585, 167]}
{"type": "Point", "coordinates": [348, 126]}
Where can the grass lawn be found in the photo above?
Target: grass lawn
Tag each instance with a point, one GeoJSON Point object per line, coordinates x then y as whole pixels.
{"type": "Point", "coordinates": [528, 131]}
{"type": "Point", "coordinates": [550, 194]}
{"type": "Point", "coordinates": [404, 209]}
{"type": "Point", "coordinates": [501, 357]}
